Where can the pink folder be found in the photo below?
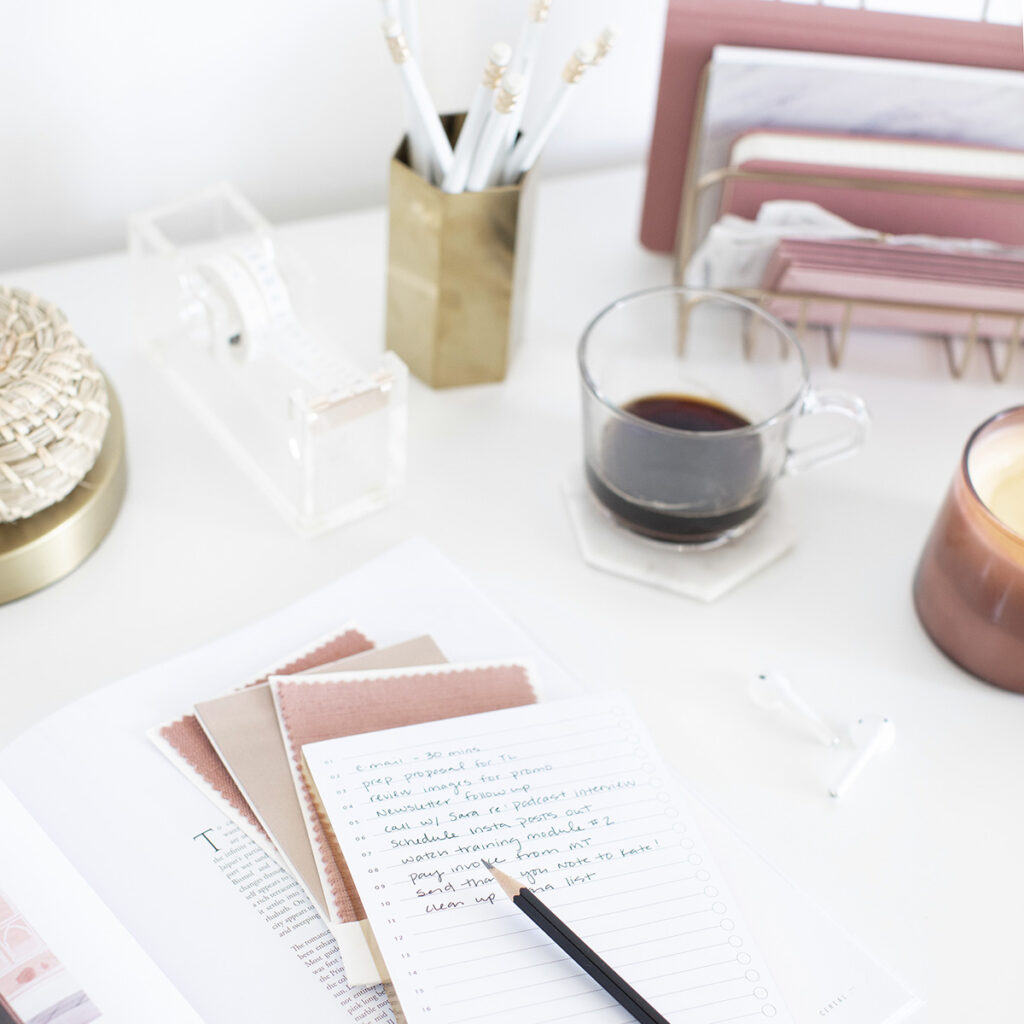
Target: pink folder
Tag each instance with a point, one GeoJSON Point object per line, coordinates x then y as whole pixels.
{"type": "Point", "coordinates": [694, 27]}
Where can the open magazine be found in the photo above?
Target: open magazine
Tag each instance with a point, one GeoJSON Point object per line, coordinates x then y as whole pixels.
{"type": "Point", "coordinates": [135, 898]}
{"type": "Point", "coordinates": [64, 958]}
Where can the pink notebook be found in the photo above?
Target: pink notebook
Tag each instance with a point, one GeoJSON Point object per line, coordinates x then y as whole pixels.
{"type": "Point", "coordinates": [864, 257]}
{"type": "Point", "coordinates": [997, 216]}
{"type": "Point", "coordinates": [898, 274]}
{"type": "Point", "coordinates": [695, 27]}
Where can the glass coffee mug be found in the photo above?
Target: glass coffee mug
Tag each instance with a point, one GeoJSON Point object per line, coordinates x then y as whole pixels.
{"type": "Point", "coordinates": [969, 585]}
{"type": "Point", "coordinates": [689, 398]}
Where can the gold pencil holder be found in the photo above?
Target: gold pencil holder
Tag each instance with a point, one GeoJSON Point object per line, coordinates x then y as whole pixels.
{"type": "Point", "coordinates": [456, 275]}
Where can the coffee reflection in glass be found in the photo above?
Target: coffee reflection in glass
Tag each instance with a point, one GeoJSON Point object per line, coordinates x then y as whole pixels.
{"type": "Point", "coordinates": [689, 397]}
{"type": "Point", "coordinates": [969, 585]}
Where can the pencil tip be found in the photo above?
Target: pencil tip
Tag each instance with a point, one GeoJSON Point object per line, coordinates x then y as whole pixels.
{"type": "Point", "coordinates": [486, 863]}
{"type": "Point", "coordinates": [509, 886]}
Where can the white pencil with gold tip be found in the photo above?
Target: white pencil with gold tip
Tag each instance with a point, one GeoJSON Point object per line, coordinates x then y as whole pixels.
{"type": "Point", "coordinates": [523, 60]}
{"type": "Point", "coordinates": [604, 43]}
{"type": "Point", "coordinates": [487, 161]}
{"type": "Point", "coordinates": [527, 149]}
{"type": "Point", "coordinates": [422, 108]}
{"type": "Point", "coordinates": [472, 128]}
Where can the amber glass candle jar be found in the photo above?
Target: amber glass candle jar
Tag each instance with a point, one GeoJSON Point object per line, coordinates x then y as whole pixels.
{"type": "Point", "coordinates": [969, 586]}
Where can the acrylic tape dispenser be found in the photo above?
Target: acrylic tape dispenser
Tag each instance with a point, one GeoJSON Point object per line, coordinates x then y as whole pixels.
{"type": "Point", "coordinates": [221, 305]}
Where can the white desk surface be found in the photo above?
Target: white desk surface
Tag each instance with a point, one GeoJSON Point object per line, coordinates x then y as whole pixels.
{"type": "Point", "coordinates": [923, 861]}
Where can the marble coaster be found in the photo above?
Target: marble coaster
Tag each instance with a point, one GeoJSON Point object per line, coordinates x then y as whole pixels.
{"type": "Point", "coordinates": [702, 573]}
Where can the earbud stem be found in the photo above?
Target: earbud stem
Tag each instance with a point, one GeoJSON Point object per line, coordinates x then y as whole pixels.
{"type": "Point", "coordinates": [881, 739]}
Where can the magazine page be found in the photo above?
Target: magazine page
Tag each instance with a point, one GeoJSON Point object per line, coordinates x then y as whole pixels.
{"type": "Point", "coordinates": [64, 958]}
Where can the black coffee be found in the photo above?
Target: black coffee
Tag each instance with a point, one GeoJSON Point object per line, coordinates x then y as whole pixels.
{"type": "Point", "coordinates": [674, 486]}
{"type": "Point", "coordinates": [683, 412]}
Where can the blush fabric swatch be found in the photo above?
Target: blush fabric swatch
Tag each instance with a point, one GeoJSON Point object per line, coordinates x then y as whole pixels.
{"type": "Point", "coordinates": [194, 755]}
{"type": "Point", "coordinates": [319, 708]}
{"type": "Point", "coordinates": [186, 744]}
{"type": "Point", "coordinates": [334, 648]}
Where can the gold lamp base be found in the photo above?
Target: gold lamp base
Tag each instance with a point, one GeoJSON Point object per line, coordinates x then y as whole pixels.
{"type": "Point", "coordinates": [39, 550]}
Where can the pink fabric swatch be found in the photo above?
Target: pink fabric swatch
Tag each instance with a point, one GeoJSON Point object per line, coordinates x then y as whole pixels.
{"type": "Point", "coordinates": [187, 738]}
{"type": "Point", "coordinates": [344, 645]}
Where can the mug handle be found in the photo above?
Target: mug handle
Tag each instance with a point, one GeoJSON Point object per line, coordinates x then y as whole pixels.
{"type": "Point", "coordinates": [843, 403]}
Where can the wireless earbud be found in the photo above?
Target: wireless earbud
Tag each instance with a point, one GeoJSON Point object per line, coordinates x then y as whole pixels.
{"type": "Point", "coordinates": [872, 735]}
{"type": "Point", "coordinates": [773, 691]}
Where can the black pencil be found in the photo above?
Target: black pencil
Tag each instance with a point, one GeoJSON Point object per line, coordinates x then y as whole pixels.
{"type": "Point", "coordinates": [619, 989]}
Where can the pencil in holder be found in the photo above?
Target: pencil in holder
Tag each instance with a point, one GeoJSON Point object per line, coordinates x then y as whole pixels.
{"type": "Point", "coordinates": [456, 274]}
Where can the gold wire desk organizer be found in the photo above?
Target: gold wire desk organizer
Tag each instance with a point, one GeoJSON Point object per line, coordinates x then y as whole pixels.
{"type": "Point", "coordinates": [836, 337]}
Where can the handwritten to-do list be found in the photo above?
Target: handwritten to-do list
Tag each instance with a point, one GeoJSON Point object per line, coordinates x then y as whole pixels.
{"type": "Point", "coordinates": [571, 798]}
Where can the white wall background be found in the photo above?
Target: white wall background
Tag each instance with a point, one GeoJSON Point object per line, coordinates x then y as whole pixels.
{"type": "Point", "coordinates": [116, 105]}
{"type": "Point", "coordinates": [112, 105]}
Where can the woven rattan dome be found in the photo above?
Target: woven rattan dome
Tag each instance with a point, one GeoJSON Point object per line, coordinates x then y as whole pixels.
{"type": "Point", "coordinates": [53, 406]}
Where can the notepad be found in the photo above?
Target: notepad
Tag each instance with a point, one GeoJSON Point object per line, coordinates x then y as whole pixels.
{"type": "Point", "coordinates": [572, 798]}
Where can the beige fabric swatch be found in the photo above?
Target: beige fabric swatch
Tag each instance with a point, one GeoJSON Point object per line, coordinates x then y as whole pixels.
{"type": "Point", "coordinates": [242, 729]}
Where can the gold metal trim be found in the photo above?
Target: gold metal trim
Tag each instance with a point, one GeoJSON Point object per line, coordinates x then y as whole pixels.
{"type": "Point", "coordinates": [43, 548]}
{"type": "Point", "coordinates": [1001, 371]}
{"type": "Point", "coordinates": [837, 346]}
{"type": "Point", "coordinates": [688, 207]}
{"type": "Point", "coordinates": [723, 174]}
{"type": "Point", "coordinates": [958, 366]}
